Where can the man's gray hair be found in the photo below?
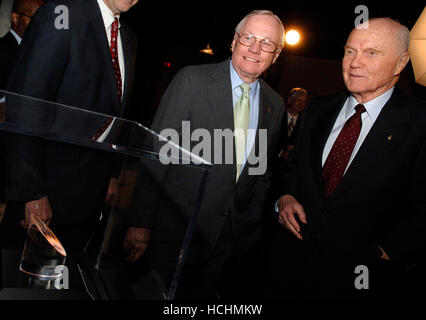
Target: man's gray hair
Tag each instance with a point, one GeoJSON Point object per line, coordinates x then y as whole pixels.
{"type": "Point", "coordinates": [262, 12]}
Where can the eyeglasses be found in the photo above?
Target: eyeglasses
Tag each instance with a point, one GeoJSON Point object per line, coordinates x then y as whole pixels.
{"type": "Point", "coordinates": [265, 44]}
{"type": "Point", "coordinates": [23, 14]}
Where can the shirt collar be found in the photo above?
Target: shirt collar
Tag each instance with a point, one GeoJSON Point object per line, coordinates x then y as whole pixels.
{"type": "Point", "coordinates": [107, 15]}
{"type": "Point", "coordinates": [236, 80]}
{"type": "Point", "coordinates": [372, 107]}
{"type": "Point", "coordinates": [17, 37]}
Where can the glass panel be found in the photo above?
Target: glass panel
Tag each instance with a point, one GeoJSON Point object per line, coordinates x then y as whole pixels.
{"type": "Point", "coordinates": [149, 165]}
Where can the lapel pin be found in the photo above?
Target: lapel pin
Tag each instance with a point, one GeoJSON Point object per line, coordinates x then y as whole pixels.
{"type": "Point", "coordinates": [389, 137]}
{"type": "Point", "coordinates": [269, 109]}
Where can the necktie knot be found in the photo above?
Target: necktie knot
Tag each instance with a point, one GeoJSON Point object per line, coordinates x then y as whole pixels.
{"type": "Point", "coordinates": [246, 88]}
{"type": "Point", "coordinates": [359, 108]}
{"type": "Point", "coordinates": [115, 23]}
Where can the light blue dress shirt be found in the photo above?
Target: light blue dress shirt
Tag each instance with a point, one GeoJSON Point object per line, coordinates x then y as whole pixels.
{"type": "Point", "coordinates": [254, 107]}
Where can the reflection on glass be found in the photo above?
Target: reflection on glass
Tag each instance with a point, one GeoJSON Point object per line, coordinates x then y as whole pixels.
{"type": "Point", "coordinates": [43, 255]}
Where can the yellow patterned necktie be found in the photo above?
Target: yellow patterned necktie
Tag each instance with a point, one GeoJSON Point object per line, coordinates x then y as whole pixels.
{"type": "Point", "coordinates": [241, 122]}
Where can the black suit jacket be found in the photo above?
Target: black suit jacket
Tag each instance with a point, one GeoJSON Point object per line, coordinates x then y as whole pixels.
{"type": "Point", "coordinates": [72, 67]}
{"type": "Point", "coordinates": [8, 51]}
{"type": "Point", "coordinates": [202, 95]}
{"type": "Point", "coordinates": [381, 198]}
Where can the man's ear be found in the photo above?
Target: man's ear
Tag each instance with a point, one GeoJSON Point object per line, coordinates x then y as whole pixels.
{"type": "Point", "coordinates": [276, 55]}
{"type": "Point", "coordinates": [402, 62]}
{"type": "Point", "coordinates": [14, 17]}
{"type": "Point", "coordinates": [234, 41]}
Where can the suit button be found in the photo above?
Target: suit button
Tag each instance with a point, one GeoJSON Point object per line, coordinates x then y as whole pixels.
{"type": "Point", "coordinates": [225, 213]}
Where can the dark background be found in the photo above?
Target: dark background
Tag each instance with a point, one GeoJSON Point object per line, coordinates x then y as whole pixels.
{"type": "Point", "coordinates": [175, 33]}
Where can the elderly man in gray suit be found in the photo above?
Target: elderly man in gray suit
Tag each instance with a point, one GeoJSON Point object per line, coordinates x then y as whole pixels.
{"type": "Point", "coordinates": [227, 238]}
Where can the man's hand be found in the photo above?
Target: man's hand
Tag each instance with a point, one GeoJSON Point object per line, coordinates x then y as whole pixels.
{"type": "Point", "coordinates": [284, 153]}
{"type": "Point", "coordinates": [39, 208]}
{"type": "Point", "coordinates": [288, 208]}
{"type": "Point", "coordinates": [112, 191]}
{"type": "Point", "coordinates": [136, 242]}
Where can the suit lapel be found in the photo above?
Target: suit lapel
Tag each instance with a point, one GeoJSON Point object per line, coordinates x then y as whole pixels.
{"type": "Point", "coordinates": [220, 99]}
{"type": "Point", "coordinates": [98, 28]}
{"type": "Point", "coordinates": [127, 57]}
{"type": "Point", "coordinates": [385, 133]}
{"type": "Point", "coordinates": [323, 126]}
{"type": "Point", "coordinates": [220, 94]}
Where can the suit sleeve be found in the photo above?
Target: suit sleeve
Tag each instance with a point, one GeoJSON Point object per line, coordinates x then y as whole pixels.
{"type": "Point", "coordinates": [263, 184]}
{"type": "Point", "coordinates": [407, 242]}
{"type": "Point", "coordinates": [37, 73]}
{"type": "Point", "coordinates": [175, 106]}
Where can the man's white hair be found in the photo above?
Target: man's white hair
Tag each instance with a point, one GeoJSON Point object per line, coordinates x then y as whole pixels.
{"type": "Point", "coordinates": [263, 12]}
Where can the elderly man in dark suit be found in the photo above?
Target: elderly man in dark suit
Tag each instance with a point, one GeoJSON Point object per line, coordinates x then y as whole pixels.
{"type": "Point", "coordinates": [354, 194]}
{"type": "Point", "coordinates": [227, 236]}
{"type": "Point", "coordinates": [89, 63]}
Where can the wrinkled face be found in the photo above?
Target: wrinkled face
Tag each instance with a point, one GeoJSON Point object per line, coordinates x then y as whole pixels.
{"type": "Point", "coordinates": [250, 62]}
{"type": "Point", "coordinates": [372, 61]}
{"type": "Point", "coordinates": [119, 6]}
{"type": "Point", "coordinates": [298, 103]}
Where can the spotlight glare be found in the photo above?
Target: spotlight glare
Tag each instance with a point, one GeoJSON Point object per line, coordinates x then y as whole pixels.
{"type": "Point", "coordinates": [292, 37]}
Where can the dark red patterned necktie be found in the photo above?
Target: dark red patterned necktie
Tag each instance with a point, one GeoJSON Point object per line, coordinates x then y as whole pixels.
{"type": "Point", "coordinates": [338, 158]}
{"type": "Point", "coordinates": [114, 55]}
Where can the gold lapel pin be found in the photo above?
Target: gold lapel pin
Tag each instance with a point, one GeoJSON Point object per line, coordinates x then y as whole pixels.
{"type": "Point", "coordinates": [389, 137]}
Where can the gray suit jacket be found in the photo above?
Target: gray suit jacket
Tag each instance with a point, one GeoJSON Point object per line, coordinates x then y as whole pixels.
{"type": "Point", "coordinates": [164, 202]}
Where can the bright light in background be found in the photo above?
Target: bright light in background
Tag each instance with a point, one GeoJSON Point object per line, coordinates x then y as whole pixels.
{"type": "Point", "coordinates": [292, 37]}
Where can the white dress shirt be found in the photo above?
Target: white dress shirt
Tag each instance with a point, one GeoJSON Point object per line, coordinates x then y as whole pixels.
{"type": "Point", "coordinates": [373, 109]}
{"type": "Point", "coordinates": [108, 18]}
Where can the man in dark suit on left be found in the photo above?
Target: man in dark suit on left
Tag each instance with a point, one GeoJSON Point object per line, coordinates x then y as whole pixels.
{"type": "Point", "coordinates": [20, 17]}
{"type": "Point", "coordinates": [77, 66]}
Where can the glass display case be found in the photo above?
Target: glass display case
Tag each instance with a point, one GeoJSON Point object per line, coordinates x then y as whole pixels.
{"type": "Point", "coordinates": [147, 163]}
